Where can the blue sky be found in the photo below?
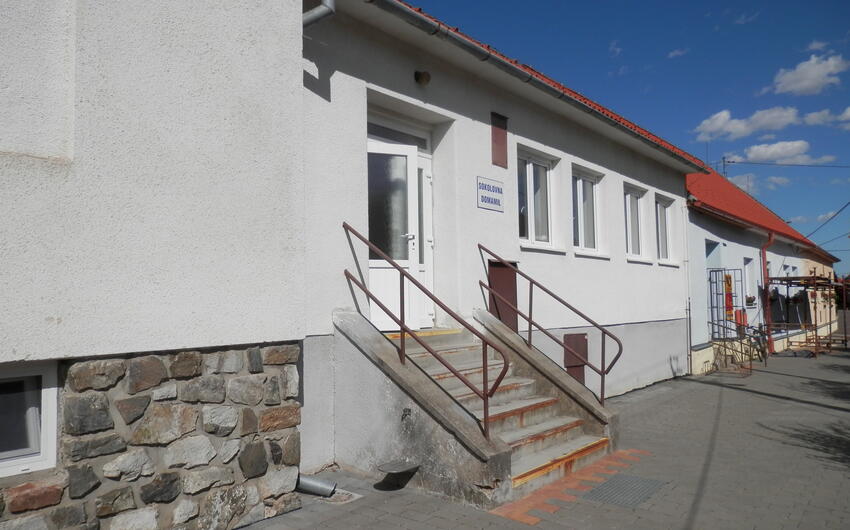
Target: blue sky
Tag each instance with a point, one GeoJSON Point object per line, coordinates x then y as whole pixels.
{"type": "Point", "coordinates": [758, 82]}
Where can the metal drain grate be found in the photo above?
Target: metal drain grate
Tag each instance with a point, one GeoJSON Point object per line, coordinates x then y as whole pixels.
{"type": "Point", "coordinates": [624, 490]}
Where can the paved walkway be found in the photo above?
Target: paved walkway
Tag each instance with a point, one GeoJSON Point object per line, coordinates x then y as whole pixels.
{"type": "Point", "coordinates": [721, 451]}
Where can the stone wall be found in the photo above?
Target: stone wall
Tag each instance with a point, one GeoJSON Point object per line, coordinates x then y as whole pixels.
{"type": "Point", "coordinates": [187, 440]}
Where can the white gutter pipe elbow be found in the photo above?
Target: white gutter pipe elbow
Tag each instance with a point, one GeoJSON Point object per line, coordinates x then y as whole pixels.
{"type": "Point", "coordinates": [326, 9]}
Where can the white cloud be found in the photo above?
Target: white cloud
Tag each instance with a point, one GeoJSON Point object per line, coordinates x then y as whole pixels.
{"type": "Point", "coordinates": [799, 219]}
{"type": "Point", "coordinates": [787, 152]}
{"type": "Point", "coordinates": [722, 124]}
{"type": "Point", "coordinates": [840, 181]}
{"type": "Point", "coordinates": [772, 183]}
{"type": "Point", "coordinates": [816, 45]}
{"type": "Point", "coordinates": [809, 77]}
{"type": "Point", "coordinates": [825, 116]}
{"type": "Point", "coordinates": [678, 52]}
{"type": "Point", "coordinates": [747, 182]}
{"type": "Point", "coordinates": [766, 137]}
{"type": "Point", "coordinates": [621, 71]}
{"type": "Point", "coordinates": [826, 216]}
{"type": "Point", "coordinates": [744, 18]}
{"type": "Point", "coordinates": [613, 49]}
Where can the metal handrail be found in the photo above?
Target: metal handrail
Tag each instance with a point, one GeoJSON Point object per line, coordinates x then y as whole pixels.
{"type": "Point", "coordinates": [604, 370]}
{"type": "Point", "coordinates": [484, 393]}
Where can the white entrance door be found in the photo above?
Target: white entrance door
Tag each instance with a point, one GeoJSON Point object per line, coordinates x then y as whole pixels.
{"type": "Point", "coordinates": [394, 228]}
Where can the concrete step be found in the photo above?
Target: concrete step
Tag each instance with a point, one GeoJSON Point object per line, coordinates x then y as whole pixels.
{"type": "Point", "coordinates": [534, 470]}
{"type": "Point", "coordinates": [472, 370]}
{"type": "Point", "coordinates": [540, 436]}
{"type": "Point", "coordinates": [511, 388]}
{"type": "Point", "coordinates": [519, 413]}
{"type": "Point", "coordinates": [436, 338]}
{"type": "Point", "coordinates": [455, 356]}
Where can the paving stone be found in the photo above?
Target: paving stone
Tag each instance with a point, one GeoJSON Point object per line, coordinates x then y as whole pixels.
{"type": "Point", "coordinates": [252, 460]}
{"type": "Point", "coordinates": [93, 446]}
{"type": "Point", "coordinates": [250, 424]}
{"type": "Point", "coordinates": [97, 375]}
{"type": "Point", "coordinates": [255, 360]}
{"type": "Point", "coordinates": [189, 452]}
{"type": "Point", "coordinates": [165, 392]}
{"type": "Point", "coordinates": [185, 510]}
{"type": "Point", "coordinates": [81, 481]}
{"type": "Point", "coordinates": [68, 516]}
{"type": "Point", "coordinates": [247, 390]}
{"type": "Point", "coordinates": [32, 522]}
{"type": "Point", "coordinates": [221, 507]}
{"type": "Point", "coordinates": [143, 519]}
{"type": "Point", "coordinates": [276, 482]}
{"type": "Point", "coordinates": [204, 389]}
{"type": "Point", "coordinates": [283, 354]}
{"type": "Point", "coordinates": [129, 466]}
{"type": "Point", "coordinates": [228, 362]}
{"type": "Point", "coordinates": [34, 495]}
{"type": "Point", "coordinates": [114, 502]}
{"type": "Point", "coordinates": [144, 372]}
{"type": "Point", "coordinates": [132, 408]}
{"type": "Point", "coordinates": [228, 450]}
{"type": "Point", "coordinates": [164, 423]}
{"type": "Point", "coordinates": [186, 364]}
{"type": "Point", "coordinates": [87, 413]}
{"type": "Point", "coordinates": [290, 381]}
{"type": "Point", "coordinates": [163, 488]}
{"type": "Point", "coordinates": [272, 391]}
{"type": "Point", "coordinates": [203, 479]}
{"type": "Point", "coordinates": [219, 420]}
{"type": "Point", "coordinates": [277, 418]}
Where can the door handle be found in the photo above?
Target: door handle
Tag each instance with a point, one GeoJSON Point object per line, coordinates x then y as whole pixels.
{"type": "Point", "coordinates": [409, 237]}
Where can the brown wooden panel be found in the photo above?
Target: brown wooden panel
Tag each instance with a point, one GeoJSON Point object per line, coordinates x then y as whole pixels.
{"type": "Point", "coordinates": [503, 280]}
{"type": "Point", "coordinates": [499, 143]}
{"type": "Point", "coordinates": [578, 343]}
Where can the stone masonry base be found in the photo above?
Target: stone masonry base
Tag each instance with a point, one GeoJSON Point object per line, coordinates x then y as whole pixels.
{"type": "Point", "coordinates": [186, 440]}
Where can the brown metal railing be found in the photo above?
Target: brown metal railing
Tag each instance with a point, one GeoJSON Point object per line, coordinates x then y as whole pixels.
{"type": "Point", "coordinates": [486, 392]}
{"type": "Point", "coordinates": [532, 283]}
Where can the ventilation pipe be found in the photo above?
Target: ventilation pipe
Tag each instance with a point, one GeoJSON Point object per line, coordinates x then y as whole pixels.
{"type": "Point", "coordinates": [765, 308]}
{"type": "Point", "coordinates": [326, 9]}
{"type": "Point", "coordinates": [315, 486]}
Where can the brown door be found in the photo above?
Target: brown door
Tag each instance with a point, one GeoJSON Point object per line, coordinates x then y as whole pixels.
{"type": "Point", "coordinates": [503, 280]}
{"type": "Point", "coordinates": [578, 343]}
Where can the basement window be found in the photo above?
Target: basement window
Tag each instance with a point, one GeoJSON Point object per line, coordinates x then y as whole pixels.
{"type": "Point", "coordinates": [28, 415]}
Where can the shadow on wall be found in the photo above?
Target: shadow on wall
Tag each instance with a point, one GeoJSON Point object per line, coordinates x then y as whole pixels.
{"type": "Point", "coordinates": [832, 442]}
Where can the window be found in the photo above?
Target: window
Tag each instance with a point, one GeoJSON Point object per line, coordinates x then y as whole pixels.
{"type": "Point", "coordinates": [28, 416]}
{"type": "Point", "coordinates": [584, 211]}
{"type": "Point", "coordinates": [749, 283]}
{"type": "Point", "coordinates": [533, 188]}
{"type": "Point", "coordinates": [632, 210]}
{"type": "Point", "coordinates": [662, 227]}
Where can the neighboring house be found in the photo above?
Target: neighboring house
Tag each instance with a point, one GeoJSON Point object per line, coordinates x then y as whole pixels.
{"type": "Point", "coordinates": [733, 237]}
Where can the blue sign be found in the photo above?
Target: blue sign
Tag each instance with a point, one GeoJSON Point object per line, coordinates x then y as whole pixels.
{"type": "Point", "coordinates": [491, 195]}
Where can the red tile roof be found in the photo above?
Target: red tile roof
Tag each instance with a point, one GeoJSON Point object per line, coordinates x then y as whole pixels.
{"type": "Point", "coordinates": [568, 92]}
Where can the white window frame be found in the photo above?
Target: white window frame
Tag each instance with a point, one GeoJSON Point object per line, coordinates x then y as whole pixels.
{"type": "Point", "coordinates": [630, 190]}
{"type": "Point", "coordinates": [531, 236]}
{"type": "Point", "coordinates": [583, 174]}
{"type": "Point", "coordinates": [46, 457]}
{"type": "Point", "coordinates": [749, 277]}
{"type": "Point", "coordinates": [667, 203]}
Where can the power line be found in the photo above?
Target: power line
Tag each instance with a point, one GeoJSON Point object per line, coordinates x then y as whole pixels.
{"type": "Point", "coordinates": [828, 220]}
{"type": "Point", "coordinates": [780, 164]}
{"type": "Point", "coordinates": [834, 238]}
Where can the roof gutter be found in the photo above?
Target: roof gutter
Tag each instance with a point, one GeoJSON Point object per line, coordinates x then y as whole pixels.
{"type": "Point", "coordinates": [484, 53]}
{"type": "Point", "coordinates": [324, 10]}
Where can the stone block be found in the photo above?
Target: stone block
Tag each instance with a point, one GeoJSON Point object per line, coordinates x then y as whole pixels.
{"type": "Point", "coordinates": [143, 519]}
{"type": "Point", "coordinates": [34, 495]}
{"type": "Point", "coordinates": [130, 466]}
{"type": "Point", "coordinates": [283, 504]}
{"type": "Point", "coordinates": [285, 447]}
{"type": "Point", "coordinates": [272, 391]}
{"type": "Point", "coordinates": [165, 392]}
{"type": "Point", "coordinates": [250, 424]}
{"type": "Point", "coordinates": [283, 354]}
{"type": "Point", "coordinates": [184, 511]}
{"type": "Point", "coordinates": [254, 514]}
{"type": "Point", "coordinates": [164, 423]}
{"type": "Point", "coordinates": [247, 390]}
{"type": "Point", "coordinates": [162, 489]}
{"type": "Point", "coordinates": [252, 460]}
{"type": "Point", "coordinates": [228, 362]}
{"type": "Point", "coordinates": [186, 364]}
{"type": "Point", "coordinates": [144, 372]}
{"type": "Point", "coordinates": [97, 375]}
{"type": "Point", "coordinates": [221, 507]}
{"type": "Point", "coordinates": [93, 446]}
{"type": "Point", "coordinates": [219, 420]}
{"type": "Point", "coordinates": [82, 480]}
{"type": "Point", "coordinates": [228, 450]}
{"type": "Point", "coordinates": [189, 452]}
{"type": "Point", "coordinates": [132, 408]}
{"type": "Point", "coordinates": [87, 413]}
{"type": "Point", "coordinates": [255, 360]}
{"type": "Point", "coordinates": [68, 516]}
{"type": "Point", "coordinates": [277, 418]}
{"type": "Point", "coordinates": [114, 502]}
{"type": "Point", "coordinates": [204, 479]}
{"type": "Point", "coordinates": [33, 522]}
{"type": "Point", "coordinates": [276, 482]}
{"type": "Point", "coordinates": [291, 381]}
{"type": "Point", "coordinates": [204, 389]}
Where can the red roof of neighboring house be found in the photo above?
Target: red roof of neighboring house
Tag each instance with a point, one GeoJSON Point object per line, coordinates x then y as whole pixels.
{"type": "Point", "coordinates": [714, 194]}
{"type": "Point", "coordinates": [572, 94]}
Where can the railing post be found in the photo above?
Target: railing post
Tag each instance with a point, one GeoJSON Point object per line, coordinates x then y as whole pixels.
{"type": "Point", "coordinates": [604, 370]}
{"type": "Point", "coordinates": [401, 314]}
{"type": "Point", "coordinates": [530, 310]}
{"type": "Point", "coordinates": [486, 392]}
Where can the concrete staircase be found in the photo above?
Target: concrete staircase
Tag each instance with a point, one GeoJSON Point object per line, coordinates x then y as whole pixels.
{"type": "Point", "coordinates": [547, 436]}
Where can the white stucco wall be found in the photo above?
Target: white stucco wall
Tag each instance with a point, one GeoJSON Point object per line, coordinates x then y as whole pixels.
{"type": "Point", "coordinates": [178, 222]}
